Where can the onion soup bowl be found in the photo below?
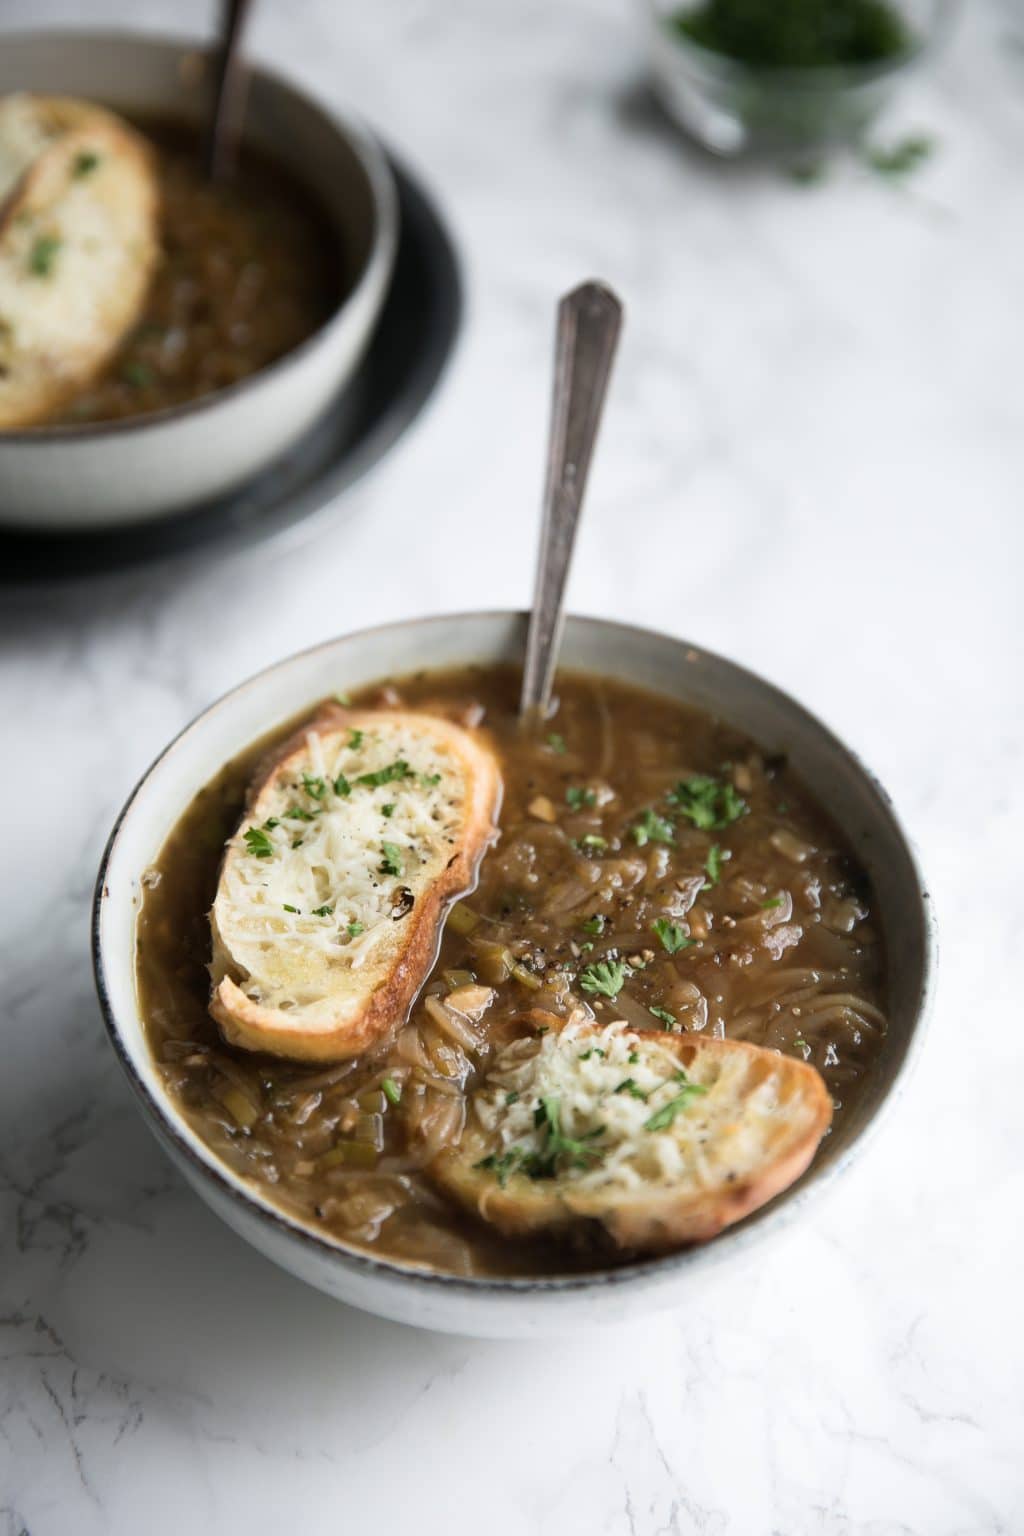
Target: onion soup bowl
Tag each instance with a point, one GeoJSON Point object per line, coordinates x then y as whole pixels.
{"type": "Point", "coordinates": [76, 476]}
{"type": "Point", "coordinates": [543, 1303]}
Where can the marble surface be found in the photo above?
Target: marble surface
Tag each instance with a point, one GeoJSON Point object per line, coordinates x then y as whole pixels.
{"type": "Point", "coordinates": [812, 462]}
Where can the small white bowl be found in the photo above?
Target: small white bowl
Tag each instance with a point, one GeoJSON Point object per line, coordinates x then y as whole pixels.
{"type": "Point", "coordinates": [99, 476]}
{"type": "Point", "coordinates": [489, 1307]}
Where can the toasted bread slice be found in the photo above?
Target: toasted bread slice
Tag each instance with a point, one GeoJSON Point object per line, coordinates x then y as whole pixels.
{"type": "Point", "coordinates": [333, 890]}
{"type": "Point", "coordinates": [662, 1139]}
{"type": "Point", "coordinates": [78, 243]}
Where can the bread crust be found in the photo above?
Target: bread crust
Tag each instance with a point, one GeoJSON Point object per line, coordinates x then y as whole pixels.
{"type": "Point", "coordinates": [62, 329]}
{"type": "Point", "coordinates": [663, 1218]}
{"type": "Point", "coordinates": [362, 1022]}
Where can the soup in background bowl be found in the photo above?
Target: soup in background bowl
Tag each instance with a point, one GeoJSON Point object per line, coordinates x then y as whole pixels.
{"type": "Point", "coordinates": [807, 932]}
{"type": "Point", "coordinates": [144, 446]}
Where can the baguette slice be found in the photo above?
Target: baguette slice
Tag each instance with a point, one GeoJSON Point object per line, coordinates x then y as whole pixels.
{"type": "Point", "coordinates": [671, 1138]}
{"type": "Point", "coordinates": [78, 244]}
{"type": "Point", "coordinates": [334, 889]}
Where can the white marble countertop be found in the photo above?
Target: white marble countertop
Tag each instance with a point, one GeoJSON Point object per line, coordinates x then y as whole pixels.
{"type": "Point", "coordinates": [812, 462]}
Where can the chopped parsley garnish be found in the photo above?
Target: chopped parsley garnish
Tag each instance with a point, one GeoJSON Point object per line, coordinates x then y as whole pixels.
{"type": "Point", "coordinates": [137, 375]}
{"type": "Point", "coordinates": [391, 1090]}
{"type": "Point", "coordinates": [652, 828]}
{"type": "Point", "coordinates": [355, 929]}
{"type": "Point", "coordinates": [342, 786]}
{"type": "Point", "coordinates": [712, 867]}
{"type": "Point", "coordinates": [43, 255]}
{"type": "Point", "coordinates": [595, 924]}
{"type": "Point", "coordinates": [387, 810]}
{"type": "Point", "coordinates": [801, 1043]}
{"type": "Point", "coordinates": [258, 843]}
{"type": "Point", "coordinates": [556, 742]}
{"type": "Point", "coordinates": [391, 864]}
{"type": "Point", "coordinates": [767, 906]}
{"type": "Point", "coordinates": [324, 911]}
{"type": "Point", "coordinates": [594, 1050]}
{"type": "Point", "coordinates": [271, 822]}
{"type": "Point", "coordinates": [591, 840]}
{"type": "Point", "coordinates": [708, 802]}
{"type": "Point", "coordinates": [558, 1147]}
{"type": "Point", "coordinates": [315, 787]}
{"type": "Point", "coordinates": [297, 813]}
{"type": "Point", "coordinates": [84, 164]}
{"type": "Point", "coordinates": [668, 1019]}
{"type": "Point", "coordinates": [663, 1117]}
{"type": "Point", "coordinates": [296, 842]}
{"type": "Point", "coordinates": [355, 741]}
{"type": "Point", "coordinates": [387, 775]}
{"type": "Point", "coordinates": [673, 937]}
{"type": "Point", "coordinates": [296, 910]}
{"type": "Point", "coordinates": [344, 699]}
{"type": "Point", "coordinates": [628, 1085]}
{"type": "Point", "coordinates": [898, 159]}
{"type": "Point", "coordinates": [576, 797]}
{"type": "Point", "coordinates": [512, 1097]}
{"type": "Point", "coordinates": [430, 780]}
{"type": "Point", "coordinates": [502, 1166]}
{"type": "Point", "coordinates": [606, 978]}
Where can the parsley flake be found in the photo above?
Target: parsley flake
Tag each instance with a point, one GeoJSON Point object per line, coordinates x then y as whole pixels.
{"type": "Point", "coordinates": [595, 924]}
{"type": "Point", "coordinates": [391, 864]}
{"type": "Point", "coordinates": [43, 255]}
{"type": "Point", "coordinates": [387, 775]}
{"type": "Point", "coordinates": [673, 937]}
{"type": "Point", "coordinates": [663, 1117]}
{"type": "Point", "coordinates": [84, 164]}
{"type": "Point", "coordinates": [391, 1090]}
{"type": "Point", "coordinates": [577, 797]}
{"type": "Point", "coordinates": [258, 843]}
{"type": "Point", "coordinates": [556, 742]}
{"type": "Point", "coordinates": [355, 741]}
{"type": "Point", "coordinates": [355, 929]}
{"type": "Point", "coordinates": [668, 1019]}
{"type": "Point", "coordinates": [324, 911]}
{"type": "Point", "coordinates": [708, 802]}
{"type": "Point", "coordinates": [652, 828]}
{"type": "Point", "coordinates": [712, 867]}
{"type": "Point", "coordinates": [605, 978]}
{"type": "Point", "coordinates": [342, 786]}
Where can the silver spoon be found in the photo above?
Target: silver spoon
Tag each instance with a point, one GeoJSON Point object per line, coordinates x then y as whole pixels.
{"type": "Point", "coordinates": [220, 151]}
{"type": "Point", "coordinates": [589, 322]}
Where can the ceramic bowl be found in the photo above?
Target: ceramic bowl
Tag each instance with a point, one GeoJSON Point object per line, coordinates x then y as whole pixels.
{"type": "Point", "coordinates": [102, 475]}
{"type": "Point", "coordinates": [489, 1307]}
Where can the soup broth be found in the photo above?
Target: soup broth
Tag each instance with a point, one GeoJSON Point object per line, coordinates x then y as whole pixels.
{"type": "Point", "coordinates": [248, 269]}
{"type": "Point", "coordinates": [635, 833]}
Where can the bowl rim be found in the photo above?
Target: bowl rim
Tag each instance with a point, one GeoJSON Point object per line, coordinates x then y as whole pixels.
{"type": "Point", "coordinates": [372, 160]}
{"type": "Point", "coordinates": [166, 1119]}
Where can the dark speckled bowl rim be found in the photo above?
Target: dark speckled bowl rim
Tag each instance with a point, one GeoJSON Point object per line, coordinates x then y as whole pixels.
{"type": "Point", "coordinates": [769, 1219]}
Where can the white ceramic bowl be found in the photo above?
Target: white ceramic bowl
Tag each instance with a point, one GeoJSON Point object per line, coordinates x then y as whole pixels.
{"type": "Point", "coordinates": [81, 477]}
{"type": "Point", "coordinates": [505, 1308]}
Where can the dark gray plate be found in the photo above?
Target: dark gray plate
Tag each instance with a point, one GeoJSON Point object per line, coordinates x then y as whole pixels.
{"type": "Point", "coordinates": [412, 344]}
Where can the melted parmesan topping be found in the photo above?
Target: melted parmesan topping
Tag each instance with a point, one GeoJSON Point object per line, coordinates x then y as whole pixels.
{"type": "Point", "coordinates": [344, 843]}
{"type": "Point", "coordinates": [631, 1117]}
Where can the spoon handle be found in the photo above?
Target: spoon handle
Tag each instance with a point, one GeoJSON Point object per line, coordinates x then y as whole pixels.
{"type": "Point", "coordinates": [589, 321]}
{"type": "Point", "coordinates": [223, 128]}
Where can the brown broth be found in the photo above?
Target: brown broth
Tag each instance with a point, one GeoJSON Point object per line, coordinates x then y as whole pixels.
{"type": "Point", "coordinates": [786, 954]}
{"type": "Point", "coordinates": [247, 271]}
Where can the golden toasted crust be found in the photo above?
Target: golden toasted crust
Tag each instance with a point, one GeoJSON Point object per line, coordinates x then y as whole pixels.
{"type": "Point", "coordinates": [658, 1218]}
{"type": "Point", "coordinates": [381, 1001]}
